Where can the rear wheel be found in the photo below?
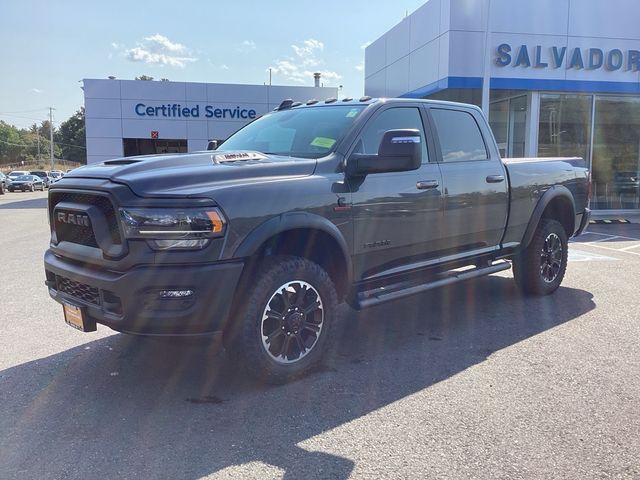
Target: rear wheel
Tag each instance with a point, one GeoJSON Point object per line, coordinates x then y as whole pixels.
{"type": "Point", "coordinates": [540, 268]}
{"type": "Point", "coordinates": [287, 319]}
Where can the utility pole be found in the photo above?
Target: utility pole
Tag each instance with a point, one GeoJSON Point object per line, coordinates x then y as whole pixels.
{"type": "Point", "coordinates": [51, 135]}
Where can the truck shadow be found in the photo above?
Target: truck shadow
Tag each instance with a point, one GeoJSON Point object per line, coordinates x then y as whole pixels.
{"type": "Point", "coordinates": [15, 204]}
{"type": "Point", "coordinates": [124, 406]}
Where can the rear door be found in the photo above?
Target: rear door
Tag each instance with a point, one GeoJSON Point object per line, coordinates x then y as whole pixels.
{"type": "Point", "coordinates": [474, 180]}
{"type": "Point", "coordinates": [396, 215]}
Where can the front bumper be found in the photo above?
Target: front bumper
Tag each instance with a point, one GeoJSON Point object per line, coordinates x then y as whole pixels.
{"type": "Point", "coordinates": [130, 302]}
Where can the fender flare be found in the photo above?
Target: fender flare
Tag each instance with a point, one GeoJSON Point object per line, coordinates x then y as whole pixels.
{"type": "Point", "coordinates": [556, 191]}
{"type": "Point", "coordinates": [292, 221]}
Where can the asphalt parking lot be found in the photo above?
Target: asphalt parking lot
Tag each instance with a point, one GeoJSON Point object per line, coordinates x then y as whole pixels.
{"type": "Point", "coordinates": [473, 381]}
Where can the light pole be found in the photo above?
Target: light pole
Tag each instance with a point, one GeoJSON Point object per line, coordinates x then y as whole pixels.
{"type": "Point", "coordinates": [51, 135]}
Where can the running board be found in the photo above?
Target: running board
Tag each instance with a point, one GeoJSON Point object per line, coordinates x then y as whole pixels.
{"type": "Point", "coordinates": [379, 295]}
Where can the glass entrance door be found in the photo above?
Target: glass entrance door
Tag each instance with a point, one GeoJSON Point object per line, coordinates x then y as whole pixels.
{"type": "Point", "coordinates": [508, 120]}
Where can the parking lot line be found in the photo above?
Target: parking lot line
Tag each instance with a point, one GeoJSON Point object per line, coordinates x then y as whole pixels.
{"type": "Point", "coordinates": [610, 236]}
{"type": "Point", "coordinates": [607, 238]}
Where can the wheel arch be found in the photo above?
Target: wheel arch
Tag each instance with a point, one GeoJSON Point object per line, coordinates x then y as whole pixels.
{"type": "Point", "coordinates": [300, 234]}
{"type": "Point", "coordinates": [557, 203]}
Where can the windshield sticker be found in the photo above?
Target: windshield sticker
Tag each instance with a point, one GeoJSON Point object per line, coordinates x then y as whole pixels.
{"type": "Point", "coordinates": [352, 113]}
{"type": "Point", "coordinates": [323, 142]}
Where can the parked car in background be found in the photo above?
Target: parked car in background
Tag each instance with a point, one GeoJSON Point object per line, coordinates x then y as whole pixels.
{"type": "Point", "coordinates": [44, 175]}
{"type": "Point", "coordinates": [55, 175]}
{"type": "Point", "coordinates": [27, 183]}
{"type": "Point", "coordinates": [3, 183]}
{"type": "Point", "coordinates": [16, 173]}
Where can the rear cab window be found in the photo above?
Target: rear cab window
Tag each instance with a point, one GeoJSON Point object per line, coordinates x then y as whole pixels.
{"type": "Point", "coordinates": [459, 136]}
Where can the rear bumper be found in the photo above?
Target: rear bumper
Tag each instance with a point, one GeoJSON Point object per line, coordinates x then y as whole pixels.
{"type": "Point", "coordinates": [131, 302]}
{"type": "Point", "coordinates": [586, 216]}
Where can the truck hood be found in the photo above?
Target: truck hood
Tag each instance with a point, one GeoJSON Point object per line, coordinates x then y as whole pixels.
{"type": "Point", "coordinates": [194, 174]}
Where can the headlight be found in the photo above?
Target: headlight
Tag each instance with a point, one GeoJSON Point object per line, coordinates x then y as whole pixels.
{"type": "Point", "coordinates": [173, 228]}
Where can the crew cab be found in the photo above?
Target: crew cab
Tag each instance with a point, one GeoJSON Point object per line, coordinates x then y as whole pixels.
{"type": "Point", "coordinates": [363, 201]}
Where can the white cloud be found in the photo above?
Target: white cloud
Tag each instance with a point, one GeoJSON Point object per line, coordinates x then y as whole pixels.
{"type": "Point", "coordinates": [247, 46]}
{"type": "Point", "coordinates": [306, 60]}
{"type": "Point", "coordinates": [360, 67]}
{"type": "Point", "coordinates": [36, 90]}
{"type": "Point", "coordinates": [159, 50]}
{"type": "Point", "coordinates": [225, 67]}
{"type": "Point", "coordinates": [366, 44]}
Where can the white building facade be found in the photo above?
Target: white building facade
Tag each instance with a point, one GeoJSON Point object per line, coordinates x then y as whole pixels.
{"type": "Point", "coordinates": [137, 117]}
{"type": "Point", "coordinates": [563, 77]}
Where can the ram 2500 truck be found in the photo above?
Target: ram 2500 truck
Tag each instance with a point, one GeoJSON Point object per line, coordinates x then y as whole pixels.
{"type": "Point", "coordinates": [363, 201]}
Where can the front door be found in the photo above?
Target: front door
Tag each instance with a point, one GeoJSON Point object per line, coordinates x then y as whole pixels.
{"type": "Point", "coordinates": [397, 215]}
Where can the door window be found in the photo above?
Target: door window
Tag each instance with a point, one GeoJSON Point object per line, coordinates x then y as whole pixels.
{"type": "Point", "coordinates": [391, 119]}
{"type": "Point", "coordinates": [459, 135]}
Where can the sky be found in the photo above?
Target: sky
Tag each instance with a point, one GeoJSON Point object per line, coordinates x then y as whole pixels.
{"type": "Point", "coordinates": [48, 47]}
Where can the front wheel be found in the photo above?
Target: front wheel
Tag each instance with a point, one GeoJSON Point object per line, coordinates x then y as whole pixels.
{"type": "Point", "coordinates": [540, 268]}
{"type": "Point", "coordinates": [287, 319]}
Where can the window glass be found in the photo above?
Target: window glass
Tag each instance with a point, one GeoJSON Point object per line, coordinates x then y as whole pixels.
{"type": "Point", "coordinates": [391, 119]}
{"type": "Point", "coordinates": [564, 126]}
{"type": "Point", "coordinates": [459, 135]}
{"type": "Point", "coordinates": [616, 153]}
{"type": "Point", "coordinates": [306, 132]}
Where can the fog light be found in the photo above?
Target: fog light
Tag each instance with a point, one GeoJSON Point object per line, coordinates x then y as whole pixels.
{"type": "Point", "coordinates": [175, 293]}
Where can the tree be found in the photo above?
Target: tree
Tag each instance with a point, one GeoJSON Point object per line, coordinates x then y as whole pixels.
{"type": "Point", "coordinates": [144, 77]}
{"type": "Point", "coordinates": [72, 138]}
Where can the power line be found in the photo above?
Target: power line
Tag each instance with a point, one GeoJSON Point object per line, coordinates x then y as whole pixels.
{"type": "Point", "coordinates": [27, 118]}
{"type": "Point", "coordinates": [27, 111]}
{"type": "Point", "coordinates": [14, 144]}
{"type": "Point", "coordinates": [57, 143]}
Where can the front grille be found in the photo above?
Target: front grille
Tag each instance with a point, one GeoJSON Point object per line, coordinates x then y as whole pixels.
{"type": "Point", "coordinates": [80, 234]}
{"type": "Point", "coordinates": [79, 290]}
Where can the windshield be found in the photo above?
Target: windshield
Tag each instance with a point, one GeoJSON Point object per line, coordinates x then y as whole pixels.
{"type": "Point", "coordinates": [309, 132]}
{"type": "Point", "coordinates": [16, 174]}
{"type": "Point", "coordinates": [24, 178]}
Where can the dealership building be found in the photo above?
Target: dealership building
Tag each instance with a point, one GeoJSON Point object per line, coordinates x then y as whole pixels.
{"type": "Point", "coordinates": [563, 78]}
{"type": "Point", "coordinates": [137, 117]}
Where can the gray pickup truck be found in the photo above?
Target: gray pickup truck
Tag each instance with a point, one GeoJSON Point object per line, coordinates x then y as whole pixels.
{"type": "Point", "coordinates": [363, 201]}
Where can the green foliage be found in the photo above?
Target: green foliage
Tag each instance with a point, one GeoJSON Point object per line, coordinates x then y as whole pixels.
{"type": "Point", "coordinates": [21, 145]}
{"type": "Point", "coordinates": [72, 139]}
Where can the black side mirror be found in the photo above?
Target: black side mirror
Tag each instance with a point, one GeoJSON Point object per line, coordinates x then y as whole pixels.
{"type": "Point", "coordinates": [212, 145]}
{"type": "Point", "coordinates": [399, 151]}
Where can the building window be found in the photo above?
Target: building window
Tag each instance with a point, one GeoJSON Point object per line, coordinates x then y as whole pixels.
{"type": "Point", "coordinates": [148, 146]}
{"type": "Point", "coordinates": [565, 125]}
{"type": "Point", "coordinates": [616, 153]}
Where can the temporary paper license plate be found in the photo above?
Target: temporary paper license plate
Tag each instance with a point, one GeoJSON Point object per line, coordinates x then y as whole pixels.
{"type": "Point", "coordinates": [74, 316]}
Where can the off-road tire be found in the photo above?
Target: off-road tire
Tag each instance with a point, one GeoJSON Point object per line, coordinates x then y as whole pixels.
{"type": "Point", "coordinates": [536, 270]}
{"type": "Point", "coordinates": [248, 345]}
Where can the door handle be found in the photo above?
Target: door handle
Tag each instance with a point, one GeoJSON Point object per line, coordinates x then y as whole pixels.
{"type": "Point", "coordinates": [495, 178]}
{"type": "Point", "coordinates": [427, 184]}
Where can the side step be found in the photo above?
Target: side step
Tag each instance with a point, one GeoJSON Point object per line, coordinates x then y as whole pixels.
{"type": "Point", "coordinates": [369, 298]}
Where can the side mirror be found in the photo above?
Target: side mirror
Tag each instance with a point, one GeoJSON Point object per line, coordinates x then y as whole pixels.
{"type": "Point", "coordinates": [399, 151]}
{"type": "Point", "coordinates": [212, 145]}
